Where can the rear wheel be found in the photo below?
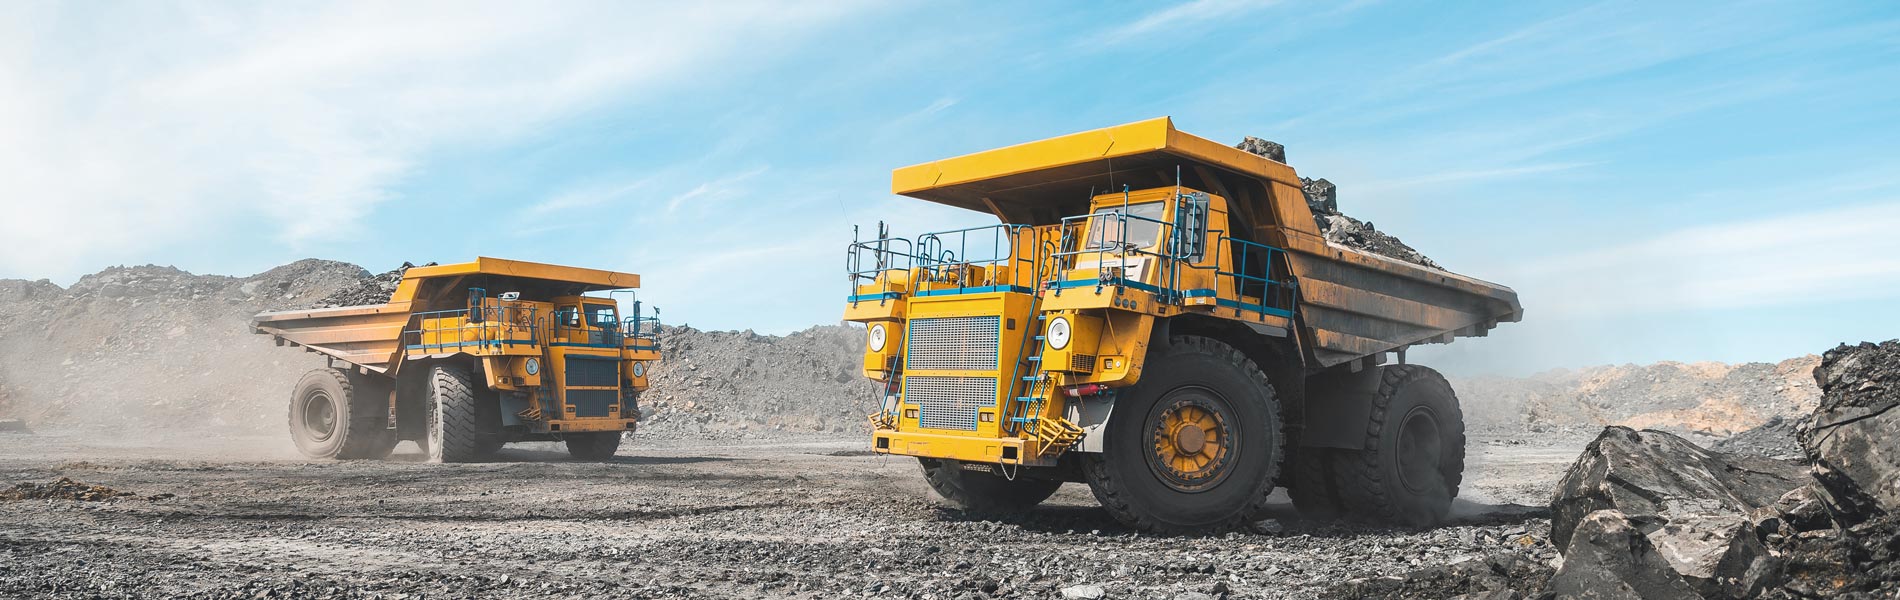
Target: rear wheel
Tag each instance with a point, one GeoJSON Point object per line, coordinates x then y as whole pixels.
{"type": "Point", "coordinates": [984, 491]}
{"type": "Point", "coordinates": [592, 446]}
{"type": "Point", "coordinates": [339, 414]}
{"type": "Point", "coordinates": [1195, 445]}
{"type": "Point", "coordinates": [464, 419]}
{"type": "Point", "coordinates": [1414, 454]}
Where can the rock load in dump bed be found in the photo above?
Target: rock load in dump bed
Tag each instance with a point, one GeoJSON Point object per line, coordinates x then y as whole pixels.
{"type": "Point", "coordinates": [1323, 197]}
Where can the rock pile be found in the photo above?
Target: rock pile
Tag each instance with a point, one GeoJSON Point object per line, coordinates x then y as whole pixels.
{"type": "Point", "coordinates": [1647, 514]}
{"type": "Point", "coordinates": [150, 348]}
{"type": "Point", "coordinates": [1323, 197]}
{"type": "Point", "coordinates": [723, 380]}
{"type": "Point", "coordinates": [374, 289]}
{"type": "Point", "coordinates": [153, 349]}
{"type": "Point", "coordinates": [1707, 398]}
{"type": "Point", "coordinates": [1854, 436]}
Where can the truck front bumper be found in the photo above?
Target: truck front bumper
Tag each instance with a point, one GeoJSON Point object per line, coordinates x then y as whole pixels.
{"type": "Point", "coordinates": [1007, 451]}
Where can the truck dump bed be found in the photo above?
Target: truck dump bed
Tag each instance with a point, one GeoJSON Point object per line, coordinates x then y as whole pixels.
{"type": "Point", "coordinates": [371, 336]}
{"type": "Point", "coordinates": [1352, 304]}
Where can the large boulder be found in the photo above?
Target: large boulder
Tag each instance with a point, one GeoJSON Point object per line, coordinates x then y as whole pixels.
{"type": "Point", "coordinates": [1652, 473]}
{"type": "Point", "coordinates": [1852, 436]}
{"type": "Point", "coordinates": [1609, 558]}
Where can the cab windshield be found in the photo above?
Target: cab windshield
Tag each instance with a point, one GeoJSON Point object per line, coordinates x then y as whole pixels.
{"type": "Point", "coordinates": [600, 315]}
{"type": "Point", "coordinates": [1143, 227]}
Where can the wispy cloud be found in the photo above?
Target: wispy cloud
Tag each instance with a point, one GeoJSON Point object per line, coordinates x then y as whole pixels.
{"type": "Point", "coordinates": [1832, 255]}
{"type": "Point", "coordinates": [709, 194]}
{"type": "Point", "coordinates": [1186, 14]}
{"type": "Point", "coordinates": [301, 119]}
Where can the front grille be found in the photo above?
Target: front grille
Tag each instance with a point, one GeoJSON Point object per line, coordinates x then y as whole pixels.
{"type": "Point", "coordinates": [1082, 363]}
{"type": "Point", "coordinates": [949, 402]}
{"type": "Point", "coordinates": [592, 371]}
{"type": "Point", "coordinates": [952, 344]}
{"type": "Point", "coordinates": [592, 403]}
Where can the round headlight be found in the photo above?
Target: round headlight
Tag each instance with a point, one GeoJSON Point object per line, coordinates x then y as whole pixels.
{"type": "Point", "coordinates": [876, 337]}
{"type": "Point", "coordinates": [533, 367]}
{"type": "Point", "coordinates": [1058, 333]}
{"type": "Point", "coordinates": [639, 369]}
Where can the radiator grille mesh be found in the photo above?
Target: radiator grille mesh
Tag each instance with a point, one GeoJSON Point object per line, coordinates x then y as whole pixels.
{"type": "Point", "coordinates": [1082, 363]}
{"type": "Point", "coordinates": [949, 402]}
{"type": "Point", "coordinates": [952, 344]}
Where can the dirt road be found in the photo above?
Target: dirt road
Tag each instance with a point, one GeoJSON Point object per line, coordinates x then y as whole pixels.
{"type": "Point", "coordinates": [803, 518]}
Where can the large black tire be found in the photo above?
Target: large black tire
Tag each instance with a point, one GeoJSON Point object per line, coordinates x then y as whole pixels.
{"type": "Point", "coordinates": [983, 491]}
{"type": "Point", "coordinates": [1137, 477]}
{"type": "Point", "coordinates": [592, 446]}
{"type": "Point", "coordinates": [1315, 489]}
{"type": "Point", "coordinates": [339, 414]}
{"type": "Point", "coordinates": [1414, 455]}
{"type": "Point", "coordinates": [464, 419]}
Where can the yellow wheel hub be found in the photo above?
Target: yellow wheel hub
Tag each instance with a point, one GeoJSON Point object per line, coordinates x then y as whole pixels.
{"type": "Point", "coordinates": [1190, 442]}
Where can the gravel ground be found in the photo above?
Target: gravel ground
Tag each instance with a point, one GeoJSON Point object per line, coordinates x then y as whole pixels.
{"type": "Point", "coordinates": [806, 517]}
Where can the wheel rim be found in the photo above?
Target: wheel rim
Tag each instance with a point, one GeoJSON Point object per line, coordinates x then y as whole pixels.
{"type": "Point", "coordinates": [1420, 451]}
{"type": "Point", "coordinates": [1192, 442]}
{"type": "Point", "coordinates": [319, 416]}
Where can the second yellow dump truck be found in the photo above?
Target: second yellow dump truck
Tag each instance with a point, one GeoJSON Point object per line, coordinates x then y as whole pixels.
{"type": "Point", "coordinates": [467, 357]}
{"type": "Point", "coordinates": [1157, 315]}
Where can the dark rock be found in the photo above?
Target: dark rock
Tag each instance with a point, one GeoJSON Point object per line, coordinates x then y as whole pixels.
{"type": "Point", "coordinates": [1719, 556]}
{"type": "Point", "coordinates": [1323, 198]}
{"type": "Point", "coordinates": [1609, 558]}
{"type": "Point", "coordinates": [1652, 473]}
{"type": "Point", "coordinates": [1263, 148]}
{"type": "Point", "coordinates": [1851, 437]}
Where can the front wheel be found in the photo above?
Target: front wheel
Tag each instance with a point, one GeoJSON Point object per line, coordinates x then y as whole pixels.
{"type": "Point", "coordinates": [984, 491]}
{"type": "Point", "coordinates": [464, 417]}
{"type": "Point", "coordinates": [1194, 446]}
{"type": "Point", "coordinates": [593, 446]}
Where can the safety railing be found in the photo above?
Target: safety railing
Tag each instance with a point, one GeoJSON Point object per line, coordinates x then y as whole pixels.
{"type": "Point", "coordinates": [885, 255]}
{"type": "Point", "coordinates": [1101, 240]}
{"type": "Point", "coordinates": [946, 262]}
{"type": "Point", "coordinates": [492, 328]}
{"type": "Point", "coordinates": [639, 331]}
{"type": "Point", "coordinates": [1277, 296]}
{"type": "Point", "coordinates": [1167, 248]}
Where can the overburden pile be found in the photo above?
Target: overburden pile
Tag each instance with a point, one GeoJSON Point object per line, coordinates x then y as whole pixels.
{"type": "Point", "coordinates": [156, 350]}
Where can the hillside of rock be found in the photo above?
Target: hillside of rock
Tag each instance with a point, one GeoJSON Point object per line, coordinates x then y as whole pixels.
{"type": "Point", "coordinates": [1710, 398]}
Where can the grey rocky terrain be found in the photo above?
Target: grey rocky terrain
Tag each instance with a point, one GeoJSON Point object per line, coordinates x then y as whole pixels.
{"type": "Point", "coordinates": [156, 464]}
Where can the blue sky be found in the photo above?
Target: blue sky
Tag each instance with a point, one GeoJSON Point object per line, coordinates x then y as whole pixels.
{"type": "Point", "coordinates": [1660, 181]}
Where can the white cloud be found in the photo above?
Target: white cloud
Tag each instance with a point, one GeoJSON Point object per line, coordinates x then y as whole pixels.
{"type": "Point", "coordinates": [1829, 256]}
{"type": "Point", "coordinates": [157, 124]}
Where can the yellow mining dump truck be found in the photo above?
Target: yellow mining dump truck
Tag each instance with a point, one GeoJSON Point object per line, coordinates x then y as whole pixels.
{"type": "Point", "coordinates": [467, 357]}
{"type": "Point", "coordinates": [1159, 316]}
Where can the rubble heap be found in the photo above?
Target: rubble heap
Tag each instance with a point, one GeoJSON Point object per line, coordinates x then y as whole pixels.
{"type": "Point", "coordinates": [726, 380]}
{"type": "Point", "coordinates": [374, 289]}
{"type": "Point", "coordinates": [1323, 197]}
{"type": "Point", "coordinates": [1647, 514]}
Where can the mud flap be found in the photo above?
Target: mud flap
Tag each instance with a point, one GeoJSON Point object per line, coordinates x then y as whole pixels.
{"type": "Point", "coordinates": [1338, 406]}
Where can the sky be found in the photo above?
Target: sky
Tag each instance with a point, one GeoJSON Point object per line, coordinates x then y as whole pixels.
{"type": "Point", "coordinates": [1658, 181]}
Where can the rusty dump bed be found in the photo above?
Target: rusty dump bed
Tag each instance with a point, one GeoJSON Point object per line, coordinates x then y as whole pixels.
{"type": "Point", "coordinates": [369, 336]}
{"type": "Point", "coordinates": [1352, 304]}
